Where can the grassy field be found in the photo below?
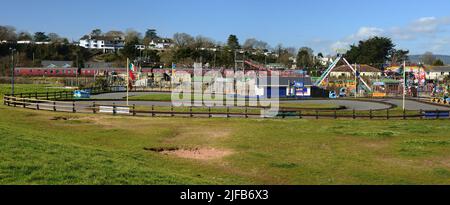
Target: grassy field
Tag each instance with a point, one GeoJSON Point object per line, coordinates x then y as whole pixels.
{"type": "Point", "coordinates": [61, 148]}
{"type": "Point", "coordinates": [27, 88]}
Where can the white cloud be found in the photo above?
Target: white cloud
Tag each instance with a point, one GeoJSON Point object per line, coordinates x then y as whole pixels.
{"type": "Point", "coordinates": [422, 29]}
{"type": "Point", "coordinates": [366, 32]}
{"type": "Point", "coordinates": [363, 33]}
{"type": "Point", "coordinates": [439, 45]}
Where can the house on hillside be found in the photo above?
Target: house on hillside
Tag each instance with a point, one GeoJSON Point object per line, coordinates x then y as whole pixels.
{"type": "Point", "coordinates": [105, 43]}
{"type": "Point", "coordinates": [438, 72]}
{"type": "Point", "coordinates": [56, 64]}
{"type": "Point", "coordinates": [364, 70]}
{"type": "Point", "coordinates": [160, 43]}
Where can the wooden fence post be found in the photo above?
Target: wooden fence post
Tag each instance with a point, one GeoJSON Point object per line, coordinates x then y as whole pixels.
{"type": "Point", "coordinates": [73, 107]}
{"type": "Point", "coordinates": [246, 110]}
{"type": "Point", "coordinates": [190, 112]}
{"type": "Point", "coordinates": [47, 95]}
{"type": "Point", "coordinates": [23, 103]}
{"type": "Point", "coordinates": [299, 114]}
{"type": "Point", "coordinates": [209, 112]}
{"type": "Point", "coordinates": [134, 109]}
{"type": "Point", "coordinates": [421, 115]}
{"type": "Point", "coordinates": [36, 95]}
{"type": "Point", "coordinates": [317, 114]}
{"type": "Point", "coordinates": [335, 114]}
{"type": "Point", "coordinates": [93, 108]}
{"type": "Point", "coordinates": [228, 112]}
{"type": "Point", "coordinates": [404, 114]}
{"type": "Point", "coordinates": [354, 114]}
{"type": "Point", "coordinates": [171, 110]}
{"type": "Point", "coordinates": [114, 109]}
{"type": "Point", "coordinates": [370, 114]}
{"type": "Point", "coordinates": [54, 106]}
{"type": "Point", "coordinates": [387, 114]}
{"type": "Point", "coordinates": [37, 105]}
{"type": "Point", "coordinates": [153, 110]}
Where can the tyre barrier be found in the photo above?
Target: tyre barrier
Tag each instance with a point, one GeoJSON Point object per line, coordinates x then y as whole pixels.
{"type": "Point", "coordinates": [444, 101]}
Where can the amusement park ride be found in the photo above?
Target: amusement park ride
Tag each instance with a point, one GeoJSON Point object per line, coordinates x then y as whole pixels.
{"type": "Point", "coordinates": [342, 90]}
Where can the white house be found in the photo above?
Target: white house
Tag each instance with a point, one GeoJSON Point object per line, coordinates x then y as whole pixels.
{"type": "Point", "coordinates": [439, 72]}
{"type": "Point", "coordinates": [105, 43]}
{"type": "Point", "coordinates": [160, 43]}
{"type": "Point", "coordinates": [24, 42]}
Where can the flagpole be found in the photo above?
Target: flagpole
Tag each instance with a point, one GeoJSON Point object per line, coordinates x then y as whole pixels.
{"type": "Point", "coordinates": [127, 67]}
{"type": "Point", "coordinates": [404, 83]}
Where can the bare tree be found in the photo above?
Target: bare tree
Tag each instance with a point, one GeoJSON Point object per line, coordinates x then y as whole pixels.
{"type": "Point", "coordinates": [428, 58]}
{"type": "Point", "coordinates": [7, 33]}
{"type": "Point", "coordinates": [183, 39]}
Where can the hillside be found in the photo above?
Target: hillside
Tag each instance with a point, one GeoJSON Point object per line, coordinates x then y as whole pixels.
{"type": "Point", "coordinates": [417, 58]}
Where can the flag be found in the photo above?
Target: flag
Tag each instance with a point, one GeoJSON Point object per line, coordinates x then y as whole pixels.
{"type": "Point", "coordinates": [131, 69]}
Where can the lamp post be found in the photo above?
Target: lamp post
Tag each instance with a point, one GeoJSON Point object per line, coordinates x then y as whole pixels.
{"type": "Point", "coordinates": [12, 70]}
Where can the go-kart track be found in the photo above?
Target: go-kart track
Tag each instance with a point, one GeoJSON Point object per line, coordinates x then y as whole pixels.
{"type": "Point", "coordinates": [348, 103]}
{"type": "Point", "coordinates": [114, 103]}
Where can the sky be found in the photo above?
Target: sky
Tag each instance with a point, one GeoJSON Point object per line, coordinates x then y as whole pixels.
{"type": "Point", "coordinates": [326, 26]}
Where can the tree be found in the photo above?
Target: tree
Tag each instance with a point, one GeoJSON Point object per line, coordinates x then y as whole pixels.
{"type": "Point", "coordinates": [167, 57]}
{"type": "Point", "coordinates": [428, 58]}
{"type": "Point", "coordinates": [398, 56]}
{"type": "Point", "coordinates": [438, 62]}
{"type": "Point", "coordinates": [182, 40]}
{"type": "Point", "coordinates": [24, 36]}
{"type": "Point", "coordinates": [7, 33]}
{"type": "Point", "coordinates": [54, 38]}
{"type": "Point", "coordinates": [151, 34]}
{"type": "Point", "coordinates": [96, 32]}
{"type": "Point", "coordinates": [114, 33]}
{"type": "Point", "coordinates": [253, 44]}
{"type": "Point", "coordinates": [305, 58]}
{"type": "Point", "coordinates": [129, 50]}
{"type": "Point", "coordinates": [41, 37]}
{"type": "Point", "coordinates": [203, 42]}
{"type": "Point", "coordinates": [374, 51]}
{"type": "Point", "coordinates": [132, 36]}
{"type": "Point", "coordinates": [233, 42]}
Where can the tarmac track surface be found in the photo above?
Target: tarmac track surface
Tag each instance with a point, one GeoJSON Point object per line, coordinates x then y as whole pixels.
{"type": "Point", "coordinates": [349, 104]}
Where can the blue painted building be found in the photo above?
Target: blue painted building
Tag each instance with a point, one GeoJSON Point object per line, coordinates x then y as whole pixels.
{"type": "Point", "coordinates": [295, 87]}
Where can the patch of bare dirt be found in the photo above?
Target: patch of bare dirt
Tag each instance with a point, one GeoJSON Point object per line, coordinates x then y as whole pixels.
{"type": "Point", "coordinates": [98, 120]}
{"type": "Point", "coordinates": [63, 118]}
{"type": "Point", "coordinates": [197, 153]}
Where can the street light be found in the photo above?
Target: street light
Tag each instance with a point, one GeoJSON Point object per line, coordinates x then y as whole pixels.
{"type": "Point", "coordinates": [12, 70]}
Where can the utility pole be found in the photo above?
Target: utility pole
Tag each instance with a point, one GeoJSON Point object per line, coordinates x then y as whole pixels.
{"type": "Point", "coordinates": [356, 81]}
{"type": "Point", "coordinates": [215, 55]}
{"type": "Point", "coordinates": [235, 62]}
{"type": "Point", "coordinates": [12, 70]}
{"type": "Point", "coordinates": [404, 83]}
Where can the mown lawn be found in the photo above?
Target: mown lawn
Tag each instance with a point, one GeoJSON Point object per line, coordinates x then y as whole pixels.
{"type": "Point", "coordinates": [30, 88]}
{"type": "Point", "coordinates": [38, 147]}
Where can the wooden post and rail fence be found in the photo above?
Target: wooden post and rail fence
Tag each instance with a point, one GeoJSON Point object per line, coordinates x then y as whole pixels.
{"type": "Point", "coordinates": [62, 102]}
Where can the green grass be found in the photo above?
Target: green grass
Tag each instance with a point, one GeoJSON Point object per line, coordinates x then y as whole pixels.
{"type": "Point", "coordinates": [28, 88]}
{"type": "Point", "coordinates": [38, 147]}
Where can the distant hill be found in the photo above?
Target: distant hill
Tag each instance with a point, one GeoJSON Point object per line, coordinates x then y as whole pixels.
{"type": "Point", "coordinates": [417, 58]}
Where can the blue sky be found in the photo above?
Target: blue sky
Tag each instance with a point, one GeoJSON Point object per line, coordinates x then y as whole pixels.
{"type": "Point", "coordinates": [325, 26]}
